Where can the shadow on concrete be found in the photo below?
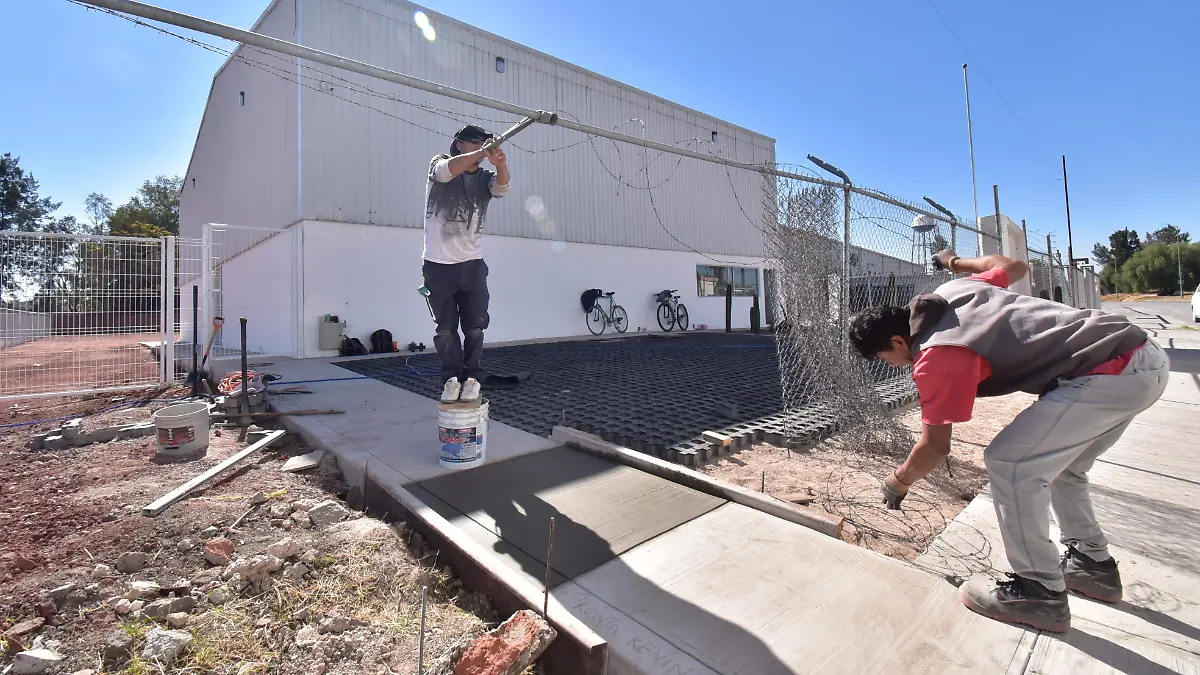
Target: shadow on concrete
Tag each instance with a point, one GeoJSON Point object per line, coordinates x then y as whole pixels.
{"type": "Point", "coordinates": [1183, 360]}
{"type": "Point", "coordinates": [1165, 531]}
{"type": "Point", "coordinates": [1120, 659]}
{"type": "Point", "coordinates": [517, 498]}
{"type": "Point", "coordinates": [735, 650]}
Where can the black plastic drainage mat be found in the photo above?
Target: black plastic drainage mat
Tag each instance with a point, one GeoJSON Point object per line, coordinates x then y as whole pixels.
{"type": "Point", "coordinates": [646, 393]}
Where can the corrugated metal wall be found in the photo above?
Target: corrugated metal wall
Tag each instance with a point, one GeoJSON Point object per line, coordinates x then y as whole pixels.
{"type": "Point", "coordinates": [366, 144]}
{"type": "Point", "coordinates": [243, 167]}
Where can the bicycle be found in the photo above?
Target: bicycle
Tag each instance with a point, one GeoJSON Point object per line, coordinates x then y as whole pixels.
{"type": "Point", "coordinates": [598, 319]}
{"type": "Point", "coordinates": [671, 312]}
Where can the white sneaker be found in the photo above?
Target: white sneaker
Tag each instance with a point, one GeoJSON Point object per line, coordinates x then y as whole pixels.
{"type": "Point", "coordinates": [451, 391]}
{"type": "Point", "coordinates": [470, 391]}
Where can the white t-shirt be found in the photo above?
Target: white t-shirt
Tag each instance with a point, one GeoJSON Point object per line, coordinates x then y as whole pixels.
{"type": "Point", "coordinates": [455, 209]}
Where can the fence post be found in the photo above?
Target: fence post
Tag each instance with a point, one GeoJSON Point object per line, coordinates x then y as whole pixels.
{"type": "Point", "coordinates": [168, 350]}
{"type": "Point", "coordinates": [206, 286]}
{"type": "Point", "coordinates": [844, 291]}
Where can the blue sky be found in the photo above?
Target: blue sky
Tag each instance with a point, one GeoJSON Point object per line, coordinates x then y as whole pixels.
{"type": "Point", "coordinates": [875, 87]}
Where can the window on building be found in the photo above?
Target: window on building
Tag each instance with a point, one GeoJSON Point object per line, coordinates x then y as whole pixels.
{"type": "Point", "coordinates": [712, 279]}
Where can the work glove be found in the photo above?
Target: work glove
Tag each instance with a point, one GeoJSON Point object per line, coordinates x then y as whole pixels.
{"type": "Point", "coordinates": [944, 260]}
{"type": "Point", "coordinates": [893, 492]}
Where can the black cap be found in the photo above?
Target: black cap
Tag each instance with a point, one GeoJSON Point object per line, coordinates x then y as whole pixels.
{"type": "Point", "coordinates": [473, 134]}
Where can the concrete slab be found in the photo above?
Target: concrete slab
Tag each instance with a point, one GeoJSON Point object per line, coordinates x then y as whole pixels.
{"type": "Point", "coordinates": [1149, 506]}
{"type": "Point", "coordinates": [384, 427]}
{"type": "Point", "coordinates": [776, 597]}
{"type": "Point", "coordinates": [601, 509]}
{"type": "Point", "coordinates": [1183, 388]}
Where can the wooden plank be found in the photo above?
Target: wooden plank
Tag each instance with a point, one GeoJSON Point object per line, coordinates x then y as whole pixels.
{"type": "Point", "coordinates": [161, 504]}
{"type": "Point", "coordinates": [824, 523]}
{"type": "Point", "coordinates": [719, 440]}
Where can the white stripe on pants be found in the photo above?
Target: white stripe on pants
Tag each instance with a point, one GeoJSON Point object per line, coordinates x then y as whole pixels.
{"type": "Point", "coordinates": [1043, 456]}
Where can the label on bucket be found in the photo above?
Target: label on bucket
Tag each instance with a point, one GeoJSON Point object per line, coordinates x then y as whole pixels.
{"type": "Point", "coordinates": [460, 445]}
{"type": "Point", "coordinates": [169, 438]}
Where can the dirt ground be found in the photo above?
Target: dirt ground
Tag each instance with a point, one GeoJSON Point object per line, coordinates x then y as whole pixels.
{"type": "Point", "coordinates": [345, 597]}
{"type": "Point", "coordinates": [847, 484]}
{"type": "Point", "coordinates": [73, 363]}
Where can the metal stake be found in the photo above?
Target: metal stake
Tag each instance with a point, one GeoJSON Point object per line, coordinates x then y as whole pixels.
{"type": "Point", "coordinates": [549, 566]}
{"type": "Point", "coordinates": [421, 641]}
{"type": "Point", "coordinates": [999, 227]}
{"type": "Point", "coordinates": [1070, 242]}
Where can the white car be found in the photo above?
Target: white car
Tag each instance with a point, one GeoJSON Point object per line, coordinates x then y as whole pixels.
{"type": "Point", "coordinates": [1196, 305]}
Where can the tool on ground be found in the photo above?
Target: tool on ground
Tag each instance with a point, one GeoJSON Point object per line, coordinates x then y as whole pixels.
{"type": "Point", "coordinates": [421, 640]}
{"type": "Point", "coordinates": [198, 374]}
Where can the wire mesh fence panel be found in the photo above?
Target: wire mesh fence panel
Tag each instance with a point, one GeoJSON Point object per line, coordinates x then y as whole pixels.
{"type": "Point", "coordinates": [189, 266]}
{"type": "Point", "coordinates": [251, 274]}
{"type": "Point", "coordinates": [81, 313]}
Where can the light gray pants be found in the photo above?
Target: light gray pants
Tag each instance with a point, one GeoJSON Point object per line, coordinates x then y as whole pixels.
{"type": "Point", "coordinates": [1042, 458]}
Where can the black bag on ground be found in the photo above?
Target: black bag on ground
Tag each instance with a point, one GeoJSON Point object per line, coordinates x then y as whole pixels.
{"type": "Point", "coordinates": [381, 342]}
{"type": "Point", "coordinates": [352, 346]}
{"type": "Point", "coordinates": [588, 298]}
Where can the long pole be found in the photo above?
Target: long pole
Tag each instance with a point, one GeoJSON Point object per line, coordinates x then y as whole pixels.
{"type": "Point", "coordinates": [999, 228]}
{"type": "Point", "coordinates": [1179, 266]}
{"type": "Point", "coordinates": [971, 143]}
{"type": "Point", "coordinates": [1070, 242]}
{"type": "Point", "coordinates": [540, 116]}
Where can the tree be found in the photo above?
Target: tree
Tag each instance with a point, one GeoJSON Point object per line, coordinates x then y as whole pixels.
{"type": "Point", "coordinates": [99, 210]}
{"type": "Point", "coordinates": [1101, 254]}
{"type": "Point", "coordinates": [156, 203]}
{"type": "Point", "coordinates": [1168, 235]}
{"type": "Point", "coordinates": [1156, 268]}
{"type": "Point", "coordinates": [1122, 244]}
{"type": "Point", "coordinates": [27, 264]}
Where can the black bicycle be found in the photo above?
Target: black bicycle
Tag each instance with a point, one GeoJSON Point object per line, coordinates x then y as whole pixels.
{"type": "Point", "coordinates": [598, 319]}
{"type": "Point", "coordinates": [670, 312]}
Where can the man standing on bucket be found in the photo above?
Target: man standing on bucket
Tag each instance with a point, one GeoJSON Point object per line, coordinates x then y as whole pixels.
{"type": "Point", "coordinates": [457, 195]}
{"type": "Point", "coordinates": [1092, 371]}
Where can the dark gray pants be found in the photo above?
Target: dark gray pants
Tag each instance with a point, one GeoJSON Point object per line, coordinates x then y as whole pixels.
{"type": "Point", "coordinates": [459, 294]}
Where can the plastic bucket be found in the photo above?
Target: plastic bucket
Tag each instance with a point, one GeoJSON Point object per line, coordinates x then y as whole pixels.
{"type": "Point", "coordinates": [462, 433]}
{"type": "Point", "coordinates": [182, 428]}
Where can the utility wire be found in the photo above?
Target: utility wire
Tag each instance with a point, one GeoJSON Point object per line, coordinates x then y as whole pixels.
{"type": "Point", "coordinates": [992, 84]}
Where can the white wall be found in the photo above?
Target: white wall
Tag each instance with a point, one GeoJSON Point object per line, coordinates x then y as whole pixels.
{"type": "Point", "coordinates": [365, 155]}
{"type": "Point", "coordinates": [1015, 247]}
{"type": "Point", "coordinates": [368, 276]}
{"type": "Point", "coordinates": [17, 326]}
{"type": "Point", "coordinates": [243, 166]}
{"type": "Point", "coordinates": [258, 284]}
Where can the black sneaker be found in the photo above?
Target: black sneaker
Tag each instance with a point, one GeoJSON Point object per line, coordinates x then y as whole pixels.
{"type": "Point", "coordinates": [1097, 580]}
{"type": "Point", "coordinates": [1018, 600]}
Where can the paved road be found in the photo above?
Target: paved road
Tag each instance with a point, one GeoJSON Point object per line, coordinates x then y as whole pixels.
{"type": "Point", "coordinates": [1173, 310]}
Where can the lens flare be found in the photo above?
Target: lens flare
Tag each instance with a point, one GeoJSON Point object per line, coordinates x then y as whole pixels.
{"type": "Point", "coordinates": [421, 20]}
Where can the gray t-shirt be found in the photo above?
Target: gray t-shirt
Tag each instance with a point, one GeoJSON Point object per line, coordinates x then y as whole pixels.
{"type": "Point", "coordinates": [455, 208]}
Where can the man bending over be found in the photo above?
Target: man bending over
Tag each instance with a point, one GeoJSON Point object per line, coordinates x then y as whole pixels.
{"type": "Point", "coordinates": [1092, 372]}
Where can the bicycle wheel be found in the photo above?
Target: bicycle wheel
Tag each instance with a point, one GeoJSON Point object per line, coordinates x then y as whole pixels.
{"type": "Point", "coordinates": [596, 320]}
{"type": "Point", "coordinates": [681, 317]}
{"type": "Point", "coordinates": [620, 319]}
{"type": "Point", "coordinates": [666, 318]}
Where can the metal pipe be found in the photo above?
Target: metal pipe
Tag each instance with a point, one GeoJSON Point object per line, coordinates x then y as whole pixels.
{"type": "Point", "coordinates": [1070, 242]}
{"type": "Point", "coordinates": [999, 227]}
{"type": "Point", "coordinates": [971, 142]}
{"type": "Point", "coordinates": [549, 566]}
{"type": "Point", "coordinates": [421, 639]}
{"type": "Point", "coordinates": [542, 117]}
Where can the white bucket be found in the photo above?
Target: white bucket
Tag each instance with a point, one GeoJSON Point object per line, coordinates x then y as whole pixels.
{"type": "Point", "coordinates": [462, 433]}
{"type": "Point", "coordinates": [182, 428]}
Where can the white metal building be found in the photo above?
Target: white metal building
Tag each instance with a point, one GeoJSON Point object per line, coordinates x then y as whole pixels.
{"type": "Point", "coordinates": [339, 160]}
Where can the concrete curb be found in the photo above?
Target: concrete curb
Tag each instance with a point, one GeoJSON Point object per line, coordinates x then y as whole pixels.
{"type": "Point", "coordinates": [583, 652]}
{"type": "Point", "coordinates": [825, 524]}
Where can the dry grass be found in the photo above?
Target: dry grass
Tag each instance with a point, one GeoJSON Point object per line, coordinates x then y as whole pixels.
{"type": "Point", "coordinates": [369, 573]}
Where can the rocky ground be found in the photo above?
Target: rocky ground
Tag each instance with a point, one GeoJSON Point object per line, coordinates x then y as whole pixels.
{"type": "Point", "coordinates": [303, 583]}
{"type": "Point", "coordinates": [832, 479]}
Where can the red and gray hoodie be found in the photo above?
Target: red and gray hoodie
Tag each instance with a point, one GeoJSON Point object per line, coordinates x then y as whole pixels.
{"type": "Point", "coordinates": [1030, 343]}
